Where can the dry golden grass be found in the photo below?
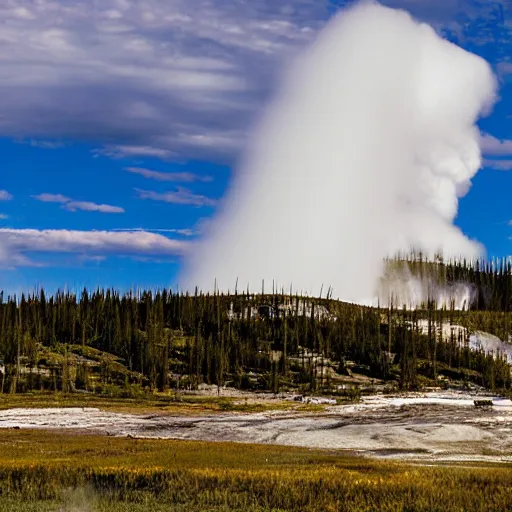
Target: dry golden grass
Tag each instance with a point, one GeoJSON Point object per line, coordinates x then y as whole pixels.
{"type": "Point", "coordinates": [161, 403]}
{"type": "Point", "coordinates": [42, 468]}
{"type": "Point", "coordinates": [153, 404]}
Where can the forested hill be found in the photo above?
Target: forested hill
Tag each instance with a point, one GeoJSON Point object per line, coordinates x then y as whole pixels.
{"type": "Point", "coordinates": [103, 340]}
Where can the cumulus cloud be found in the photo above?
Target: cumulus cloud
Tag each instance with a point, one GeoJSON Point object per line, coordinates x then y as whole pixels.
{"type": "Point", "coordinates": [179, 196]}
{"type": "Point", "coordinates": [5, 196]}
{"type": "Point", "coordinates": [364, 152]}
{"type": "Point", "coordinates": [16, 245]}
{"type": "Point", "coordinates": [168, 176]}
{"type": "Point", "coordinates": [73, 206]}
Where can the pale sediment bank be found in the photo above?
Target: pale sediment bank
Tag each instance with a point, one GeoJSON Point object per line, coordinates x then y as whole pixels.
{"type": "Point", "coordinates": [427, 427]}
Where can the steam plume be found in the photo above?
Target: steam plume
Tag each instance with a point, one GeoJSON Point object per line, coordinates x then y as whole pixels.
{"type": "Point", "coordinates": [363, 153]}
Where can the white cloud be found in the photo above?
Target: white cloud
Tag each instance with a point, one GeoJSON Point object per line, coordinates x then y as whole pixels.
{"type": "Point", "coordinates": [146, 79]}
{"type": "Point", "coordinates": [119, 152]}
{"type": "Point", "coordinates": [87, 206]}
{"type": "Point", "coordinates": [3, 216]}
{"type": "Point", "coordinates": [179, 196]}
{"type": "Point", "coordinates": [493, 146]}
{"type": "Point", "coordinates": [43, 144]}
{"type": "Point", "coordinates": [169, 79]}
{"type": "Point", "coordinates": [17, 244]}
{"type": "Point", "coordinates": [52, 198]}
{"type": "Point", "coordinates": [499, 165]}
{"type": "Point", "coordinates": [5, 196]}
{"type": "Point", "coordinates": [183, 232]}
{"type": "Point", "coordinates": [168, 176]}
{"type": "Point", "coordinates": [186, 232]}
{"type": "Point", "coordinates": [504, 68]}
{"type": "Point", "coordinates": [73, 206]}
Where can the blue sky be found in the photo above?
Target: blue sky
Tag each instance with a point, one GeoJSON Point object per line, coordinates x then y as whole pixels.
{"type": "Point", "coordinates": [121, 122]}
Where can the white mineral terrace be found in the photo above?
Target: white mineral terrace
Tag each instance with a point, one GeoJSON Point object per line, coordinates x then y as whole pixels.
{"type": "Point", "coordinates": [427, 427]}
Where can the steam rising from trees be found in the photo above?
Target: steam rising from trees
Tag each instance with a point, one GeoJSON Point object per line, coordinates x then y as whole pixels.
{"type": "Point", "coordinates": [363, 153]}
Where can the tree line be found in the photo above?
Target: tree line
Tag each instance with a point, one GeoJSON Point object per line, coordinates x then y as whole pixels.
{"type": "Point", "coordinates": [271, 342]}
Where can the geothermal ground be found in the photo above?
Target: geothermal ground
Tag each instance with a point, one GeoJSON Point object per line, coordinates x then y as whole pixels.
{"type": "Point", "coordinates": [440, 427]}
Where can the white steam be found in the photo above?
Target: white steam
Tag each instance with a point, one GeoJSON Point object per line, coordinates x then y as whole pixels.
{"type": "Point", "coordinates": [400, 287]}
{"type": "Point", "coordinates": [363, 153]}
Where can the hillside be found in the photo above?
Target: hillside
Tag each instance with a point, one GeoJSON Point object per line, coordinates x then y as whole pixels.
{"type": "Point", "coordinates": [126, 345]}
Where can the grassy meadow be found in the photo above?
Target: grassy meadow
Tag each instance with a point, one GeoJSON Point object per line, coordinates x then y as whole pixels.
{"type": "Point", "coordinates": [54, 471]}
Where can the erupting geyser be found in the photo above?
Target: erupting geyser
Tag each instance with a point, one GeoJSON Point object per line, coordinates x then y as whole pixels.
{"type": "Point", "coordinates": [363, 153]}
